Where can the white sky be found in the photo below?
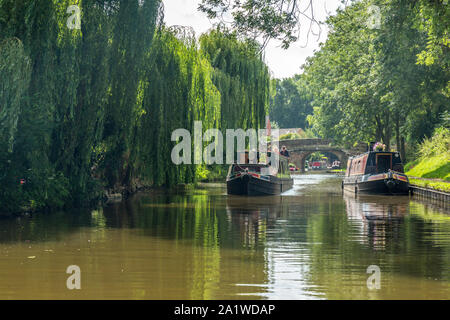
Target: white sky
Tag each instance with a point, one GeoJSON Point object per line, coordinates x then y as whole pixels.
{"type": "Point", "coordinates": [282, 63]}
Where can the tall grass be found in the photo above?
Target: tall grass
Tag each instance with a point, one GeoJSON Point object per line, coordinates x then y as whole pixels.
{"type": "Point", "coordinates": [433, 160]}
{"type": "Point", "coordinates": [438, 144]}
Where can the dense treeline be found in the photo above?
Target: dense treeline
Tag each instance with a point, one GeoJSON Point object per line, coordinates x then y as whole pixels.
{"type": "Point", "coordinates": [291, 103]}
{"type": "Point", "coordinates": [383, 73]}
{"type": "Point", "coordinates": [83, 110]}
{"type": "Point", "coordinates": [387, 80]}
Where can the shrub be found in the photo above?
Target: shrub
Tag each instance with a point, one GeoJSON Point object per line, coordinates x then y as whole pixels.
{"type": "Point", "coordinates": [290, 136]}
{"type": "Point", "coordinates": [434, 157]}
{"type": "Point", "coordinates": [438, 144]}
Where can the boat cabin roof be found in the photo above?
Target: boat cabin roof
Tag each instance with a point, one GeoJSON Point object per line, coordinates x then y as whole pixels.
{"type": "Point", "coordinates": [374, 162]}
{"type": "Point", "coordinates": [374, 152]}
{"type": "Point", "coordinates": [243, 162]}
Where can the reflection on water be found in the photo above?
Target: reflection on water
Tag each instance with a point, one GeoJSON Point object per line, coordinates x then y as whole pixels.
{"type": "Point", "coordinates": [378, 218]}
{"type": "Point", "coordinates": [313, 242]}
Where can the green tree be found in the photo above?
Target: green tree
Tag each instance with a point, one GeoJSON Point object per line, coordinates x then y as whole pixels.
{"type": "Point", "coordinates": [276, 19]}
{"type": "Point", "coordinates": [290, 105]}
{"type": "Point", "coordinates": [366, 83]}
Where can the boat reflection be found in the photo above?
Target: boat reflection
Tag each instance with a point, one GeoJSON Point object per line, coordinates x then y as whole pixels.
{"type": "Point", "coordinates": [378, 218]}
{"type": "Point", "coordinates": [269, 206]}
{"type": "Point", "coordinates": [253, 216]}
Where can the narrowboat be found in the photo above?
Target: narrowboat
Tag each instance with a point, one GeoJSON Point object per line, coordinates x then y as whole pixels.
{"type": "Point", "coordinates": [249, 179]}
{"type": "Point", "coordinates": [377, 172]}
{"type": "Point", "coordinates": [336, 165]}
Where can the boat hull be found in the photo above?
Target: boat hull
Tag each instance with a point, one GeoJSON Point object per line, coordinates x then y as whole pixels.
{"type": "Point", "coordinates": [249, 185]}
{"type": "Point", "coordinates": [386, 183]}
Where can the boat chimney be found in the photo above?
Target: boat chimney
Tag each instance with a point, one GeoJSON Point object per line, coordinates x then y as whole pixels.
{"type": "Point", "coordinates": [371, 144]}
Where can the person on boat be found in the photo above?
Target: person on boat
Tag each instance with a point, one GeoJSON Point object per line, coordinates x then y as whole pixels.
{"type": "Point", "coordinates": [284, 151]}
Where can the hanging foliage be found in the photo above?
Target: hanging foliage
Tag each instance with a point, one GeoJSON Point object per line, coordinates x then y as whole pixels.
{"type": "Point", "coordinates": [241, 76]}
{"type": "Point", "coordinates": [84, 110]}
{"type": "Point", "coordinates": [14, 81]}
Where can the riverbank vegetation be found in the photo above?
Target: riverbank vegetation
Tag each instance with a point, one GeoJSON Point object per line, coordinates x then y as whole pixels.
{"type": "Point", "coordinates": [432, 167]}
{"type": "Point", "coordinates": [290, 103]}
{"type": "Point", "coordinates": [382, 77]}
{"type": "Point", "coordinates": [430, 184]}
{"type": "Point", "coordinates": [92, 109]}
{"type": "Point", "coordinates": [372, 83]}
{"type": "Point", "coordinates": [300, 134]}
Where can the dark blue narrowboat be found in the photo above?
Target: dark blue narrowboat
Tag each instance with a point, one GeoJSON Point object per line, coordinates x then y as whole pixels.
{"type": "Point", "coordinates": [251, 180]}
{"type": "Point", "coordinates": [377, 172]}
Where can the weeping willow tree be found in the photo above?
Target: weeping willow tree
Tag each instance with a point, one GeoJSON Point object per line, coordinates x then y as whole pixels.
{"type": "Point", "coordinates": [84, 110]}
{"type": "Point", "coordinates": [34, 24]}
{"type": "Point", "coordinates": [14, 80]}
{"type": "Point", "coordinates": [225, 84]}
{"type": "Point", "coordinates": [82, 87]}
{"type": "Point", "coordinates": [177, 91]}
{"type": "Point", "coordinates": [241, 76]}
{"type": "Point", "coordinates": [75, 84]}
{"type": "Point", "coordinates": [133, 28]}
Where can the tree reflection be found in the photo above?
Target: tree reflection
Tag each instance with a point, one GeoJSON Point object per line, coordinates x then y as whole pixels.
{"type": "Point", "coordinates": [412, 253]}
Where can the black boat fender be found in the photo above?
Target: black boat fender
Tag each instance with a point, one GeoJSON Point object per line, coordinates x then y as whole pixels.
{"type": "Point", "coordinates": [390, 182]}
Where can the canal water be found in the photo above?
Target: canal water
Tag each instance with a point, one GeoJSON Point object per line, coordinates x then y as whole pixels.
{"type": "Point", "coordinates": [313, 242]}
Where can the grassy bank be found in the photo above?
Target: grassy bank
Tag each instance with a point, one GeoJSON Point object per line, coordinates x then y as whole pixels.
{"type": "Point", "coordinates": [432, 184]}
{"type": "Point", "coordinates": [336, 171]}
{"type": "Point", "coordinates": [437, 167]}
{"type": "Point", "coordinates": [432, 167]}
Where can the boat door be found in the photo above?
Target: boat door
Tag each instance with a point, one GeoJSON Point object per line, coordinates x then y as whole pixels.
{"type": "Point", "coordinates": [383, 162]}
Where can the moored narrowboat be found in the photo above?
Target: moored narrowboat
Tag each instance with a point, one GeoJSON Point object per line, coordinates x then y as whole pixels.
{"type": "Point", "coordinates": [250, 179]}
{"type": "Point", "coordinates": [378, 172]}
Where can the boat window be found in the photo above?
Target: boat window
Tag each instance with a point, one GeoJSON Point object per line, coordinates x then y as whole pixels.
{"type": "Point", "coordinates": [349, 167]}
{"type": "Point", "coordinates": [371, 169]}
{"type": "Point", "coordinates": [371, 161]}
{"type": "Point", "coordinates": [358, 167]}
{"type": "Point", "coordinates": [383, 162]}
{"type": "Point", "coordinates": [397, 163]}
{"type": "Point", "coordinates": [371, 166]}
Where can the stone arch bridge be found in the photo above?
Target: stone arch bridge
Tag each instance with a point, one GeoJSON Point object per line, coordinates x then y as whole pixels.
{"type": "Point", "coordinates": [300, 149]}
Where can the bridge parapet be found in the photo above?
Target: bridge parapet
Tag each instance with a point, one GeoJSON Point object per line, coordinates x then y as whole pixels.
{"type": "Point", "coordinates": [321, 145]}
{"type": "Point", "coordinates": [306, 142]}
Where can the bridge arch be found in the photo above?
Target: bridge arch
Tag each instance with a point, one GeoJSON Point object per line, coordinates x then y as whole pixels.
{"type": "Point", "coordinates": [300, 149]}
{"type": "Point", "coordinates": [299, 158]}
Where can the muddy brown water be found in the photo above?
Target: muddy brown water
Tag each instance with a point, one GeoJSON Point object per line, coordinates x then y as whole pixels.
{"type": "Point", "coordinates": [313, 242]}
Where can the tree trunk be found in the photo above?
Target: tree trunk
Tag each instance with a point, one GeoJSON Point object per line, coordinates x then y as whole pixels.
{"type": "Point", "coordinates": [378, 134]}
{"type": "Point", "coordinates": [397, 132]}
{"type": "Point", "coordinates": [387, 133]}
{"type": "Point", "coordinates": [402, 149]}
